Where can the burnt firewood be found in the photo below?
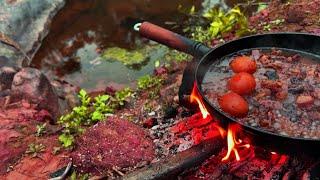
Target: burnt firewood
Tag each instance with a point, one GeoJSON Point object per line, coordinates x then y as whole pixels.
{"type": "Point", "coordinates": [174, 165]}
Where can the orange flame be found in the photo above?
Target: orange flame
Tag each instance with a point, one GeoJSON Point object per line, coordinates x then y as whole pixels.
{"type": "Point", "coordinates": [233, 143]}
{"type": "Point", "coordinates": [195, 97]}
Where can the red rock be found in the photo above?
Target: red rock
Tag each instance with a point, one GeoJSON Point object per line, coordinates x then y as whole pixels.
{"type": "Point", "coordinates": [42, 116]}
{"type": "Point", "coordinates": [26, 104]}
{"type": "Point", "coordinates": [160, 71]}
{"type": "Point", "coordinates": [114, 87]}
{"type": "Point", "coordinates": [32, 85]}
{"type": "Point", "coordinates": [114, 142]}
{"type": "Point", "coordinates": [264, 13]}
{"type": "Point", "coordinates": [149, 123]}
{"type": "Point", "coordinates": [281, 95]}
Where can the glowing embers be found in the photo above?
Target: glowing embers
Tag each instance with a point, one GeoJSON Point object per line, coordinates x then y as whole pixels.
{"type": "Point", "coordinates": [194, 97]}
{"type": "Point", "coordinates": [233, 143]}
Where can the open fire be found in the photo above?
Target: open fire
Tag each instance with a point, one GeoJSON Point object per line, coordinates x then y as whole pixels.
{"type": "Point", "coordinates": [233, 142]}
{"type": "Point", "coordinates": [240, 159]}
{"type": "Point", "coordinates": [202, 149]}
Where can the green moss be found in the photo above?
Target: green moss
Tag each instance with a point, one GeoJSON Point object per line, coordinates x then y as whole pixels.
{"type": "Point", "coordinates": [124, 56]}
{"type": "Point", "coordinates": [174, 55]}
{"type": "Point", "coordinates": [136, 58]}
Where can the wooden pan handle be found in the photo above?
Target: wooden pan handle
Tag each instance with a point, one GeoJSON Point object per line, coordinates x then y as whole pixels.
{"type": "Point", "coordinates": [172, 40]}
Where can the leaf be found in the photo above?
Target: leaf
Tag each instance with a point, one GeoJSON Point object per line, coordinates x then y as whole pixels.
{"type": "Point", "coordinates": [223, 22]}
{"type": "Point", "coordinates": [192, 10]}
{"type": "Point", "coordinates": [73, 175]}
{"type": "Point", "coordinates": [102, 98]}
{"type": "Point", "coordinates": [66, 140]}
{"type": "Point", "coordinates": [82, 93]}
{"type": "Point", "coordinates": [97, 116]}
{"type": "Point", "coordinates": [157, 64]}
{"type": "Point", "coordinates": [262, 6]}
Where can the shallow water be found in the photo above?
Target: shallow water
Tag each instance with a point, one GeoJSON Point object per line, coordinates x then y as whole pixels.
{"type": "Point", "coordinates": [82, 29]}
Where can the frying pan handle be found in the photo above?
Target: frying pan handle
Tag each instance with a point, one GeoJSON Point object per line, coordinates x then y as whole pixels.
{"type": "Point", "coordinates": [171, 39]}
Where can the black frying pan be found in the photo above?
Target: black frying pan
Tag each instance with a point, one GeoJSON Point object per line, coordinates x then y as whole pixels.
{"type": "Point", "coordinates": [205, 57]}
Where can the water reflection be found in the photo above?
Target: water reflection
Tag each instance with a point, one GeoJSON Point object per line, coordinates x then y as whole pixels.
{"type": "Point", "coordinates": [84, 28]}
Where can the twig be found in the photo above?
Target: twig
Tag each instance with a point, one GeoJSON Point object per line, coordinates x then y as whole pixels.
{"type": "Point", "coordinates": [64, 174]}
{"type": "Point", "coordinates": [117, 171]}
{"type": "Point", "coordinates": [10, 42]}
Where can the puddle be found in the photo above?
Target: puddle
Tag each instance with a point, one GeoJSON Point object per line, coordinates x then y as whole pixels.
{"type": "Point", "coordinates": [83, 29]}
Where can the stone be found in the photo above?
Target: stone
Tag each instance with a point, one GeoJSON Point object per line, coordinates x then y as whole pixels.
{"type": "Point", "coordinates": [6, 77]}
{"type": "Point", "coordinates": [170, 112]}
{"type": "Point", "coordinates": [160, 71]}
{"type": "Point", "coordinates": [112, 143]}
{"type": "Point", "coordinates": [67, 93]}
{"type": "Point", "coordinates": [32, 85]}
{"type": "Point", "coordinates": [149, 123]}
{"type": "Point", "coordinates": [26, 23]}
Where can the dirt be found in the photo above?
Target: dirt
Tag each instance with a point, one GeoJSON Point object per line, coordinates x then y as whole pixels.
{"type": "Point", "coordinates": [298, 15]}
{"type": "Point", "coordinates": [114, 143]}
{"type": "Point", "coordinates": [41, 166]}
{"type": "Point", "coordinates": [17, 131]}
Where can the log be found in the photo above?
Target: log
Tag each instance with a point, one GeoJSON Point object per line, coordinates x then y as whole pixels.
{"type": "Point", "coordinates": [172, 166]}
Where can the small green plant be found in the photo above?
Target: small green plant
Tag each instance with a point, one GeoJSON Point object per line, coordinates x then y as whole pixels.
{"type": "Point", "coordinates": [88, 113]}
{"type": "Point", "coordinates": [150, 83]}
{"type": "Point", "coordinates": [41, 129]}
{"type": "Point", "coordinates": [77, 176]}
{"type": "Point", "coordinates": [200, 34]}
{"type": "Point", "coordinates": [147, 82]}
{"type": "Point", "coordinates": [174, 55]}
{"type": "Point", "coordinates": [218, 22]}
{"type": "Point", "coordinates": [267, 26]}
{"type": "Point", "coordinates": [72, 122]}
{"type": "Point", "coordinates": [66, 139]}
{"type": "Point", "coordinates": [277, 21]}
{"type": "Point", "coordinates": [101, 107]}
{"type": "Point", "coordinates": [35, 149]}
{"type": "Point", "coordinates": [223, 22]}
{"type": "Point", "coordinates": [262, 6]}
{"type": "Point", "coordinates": [121, 97]}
